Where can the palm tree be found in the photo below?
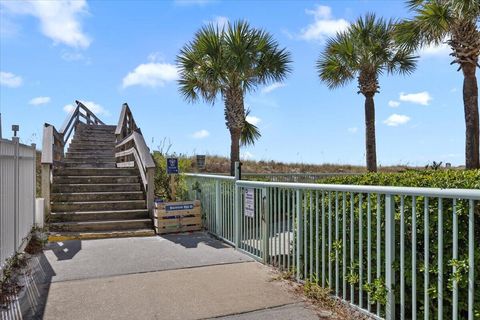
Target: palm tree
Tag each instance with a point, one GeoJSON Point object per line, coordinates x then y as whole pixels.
{"type": "Point", "coordinates": [250, 132]}
{"type": "Point", "coordinates": [453, 21]}
{"type": "Point", "coordinates": [364, 51]}
{"type": "Point", "coordinates": [229, 62]}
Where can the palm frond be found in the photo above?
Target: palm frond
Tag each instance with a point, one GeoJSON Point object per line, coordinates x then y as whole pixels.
{"type": "Point", "coordinates": [250, 132]}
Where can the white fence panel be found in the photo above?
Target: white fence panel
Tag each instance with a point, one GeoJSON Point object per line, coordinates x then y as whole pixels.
{"type": "Point", "coordinates": [17, 195]}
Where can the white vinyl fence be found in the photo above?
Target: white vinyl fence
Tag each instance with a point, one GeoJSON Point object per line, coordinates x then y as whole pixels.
{"type": "Point", "coordinates": [392, 252]}
{"type": "Point", "coordinates": [17, 195]}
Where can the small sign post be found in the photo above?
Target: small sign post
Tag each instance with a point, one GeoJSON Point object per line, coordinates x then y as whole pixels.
{"type": "Point", "coordinates": [249, 203]}
{"type": "Point", "coordinates": [201, 162]}
{"type": "Point", "coordinates": [172, 170]}
{"type": "Point", "coordinates": [172, 165]}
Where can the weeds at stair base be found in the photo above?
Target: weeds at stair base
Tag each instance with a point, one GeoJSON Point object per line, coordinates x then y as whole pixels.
{"type": "Point", "coordinates": [14, 267]}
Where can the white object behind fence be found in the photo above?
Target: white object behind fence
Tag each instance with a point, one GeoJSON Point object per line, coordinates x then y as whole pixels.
{"type": "Point", "coordinates": [17, 195]}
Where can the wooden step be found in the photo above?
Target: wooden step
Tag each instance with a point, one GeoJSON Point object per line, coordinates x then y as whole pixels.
{"type": "Point", "coordinates": [63, 236]}
{"type": "Point", "coordinates": [94, 179]}
{"type": "Point", "coordinates": [98, 225]}
{"type": "Point", "coordinates": [99, 187]}
{"type": "Point", "coordinates": [98, 205]}
{"type": "Point", "coordinates": [97, 196]}
{"type": "Point", "coordinates": [99, 215]}
{"type": "Point", "coordinates": [89, 165]}
{"type": "Point", "coordinates": [96, 172]}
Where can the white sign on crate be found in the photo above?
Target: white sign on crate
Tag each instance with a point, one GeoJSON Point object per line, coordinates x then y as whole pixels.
{"type": "Point", "coordinates": [249, 203]}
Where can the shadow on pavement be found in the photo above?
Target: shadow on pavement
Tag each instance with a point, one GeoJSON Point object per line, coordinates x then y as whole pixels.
{"type": "Point", "coordinates": [65, 250]}
{"type": "Point", "coordinates": [192, 240]}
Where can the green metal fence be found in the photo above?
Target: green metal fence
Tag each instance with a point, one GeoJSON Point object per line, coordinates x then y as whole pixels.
{"type": "Point", "coordinates": [393, 252]}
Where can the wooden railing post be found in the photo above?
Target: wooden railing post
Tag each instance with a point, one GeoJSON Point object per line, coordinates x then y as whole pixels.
{"type": "Point", "coordinates": [150, 190]}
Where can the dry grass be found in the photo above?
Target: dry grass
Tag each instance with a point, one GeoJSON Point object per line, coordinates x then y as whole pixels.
{"type": "Point", "coordinates": [219, 164]}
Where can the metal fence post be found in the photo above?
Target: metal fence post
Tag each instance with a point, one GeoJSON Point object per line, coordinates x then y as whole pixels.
{"type": "Point", "coordinates": [389, 256]}
{"type": "Point", "coordinates": [34, 167]}
{"type": "Point", "coordinates": [16, 200]}
{"type": "Point", "coordinates": [218, 208]}
{"type": "Point", "coordinates": [266, 225]}
{"type": "Point", "coordinates": [299, 231]}
{"type": "Point", "coordinates": [237, 220]}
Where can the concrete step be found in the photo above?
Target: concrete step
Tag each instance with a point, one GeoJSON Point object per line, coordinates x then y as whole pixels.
{"type": "Point", "coordinates": [99, 215]}
{"type": "Point", "coordinates": [91, 180]}
{"type": "Point", "coordinates": [100, 187]}
{"type": "Point", "coordinates": [96, 172]}
{"type": "Point", "coordinates": [98, 205]}
{"type": "Point", "coordinates": [107, 225]}
{"type": "Point", "coordinates": [97, 196]}
{"type": "Point", "coordinates": [63, 236]}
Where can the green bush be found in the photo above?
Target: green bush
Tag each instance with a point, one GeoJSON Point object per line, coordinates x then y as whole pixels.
{"type": "Point", "coordinates": [457, 179]}
{"type": "Point", "coordinates": [434, 179]}
{"type": "Point", "coordinates": [162, 180]}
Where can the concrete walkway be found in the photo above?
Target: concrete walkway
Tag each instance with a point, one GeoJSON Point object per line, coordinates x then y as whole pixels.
{"type": "Point", "coordinates": [187, 276]}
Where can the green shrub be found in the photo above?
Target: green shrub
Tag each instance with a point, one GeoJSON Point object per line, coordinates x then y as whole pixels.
{"type": "Point", "coordinates": [162, 180]}
{"type": "Point", "coordinates": [429, 179]}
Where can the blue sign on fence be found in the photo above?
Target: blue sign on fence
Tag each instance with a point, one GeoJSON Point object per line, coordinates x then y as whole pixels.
{"type": "Point", "coordinates": [172, 165]}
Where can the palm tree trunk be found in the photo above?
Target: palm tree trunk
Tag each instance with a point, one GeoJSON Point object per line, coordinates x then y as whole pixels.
{"type": "Point", "coordinates": [370, 144]}
{"type": "Point", "coordinates": [234, 149]}
{"type": "Point", "coordinates": [234, 117]}
{"type": "Point", "coordinates": [470, 103]}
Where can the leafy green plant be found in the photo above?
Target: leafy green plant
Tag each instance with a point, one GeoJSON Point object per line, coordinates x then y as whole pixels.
{"type": "Point", "coordinates": [162, 179]}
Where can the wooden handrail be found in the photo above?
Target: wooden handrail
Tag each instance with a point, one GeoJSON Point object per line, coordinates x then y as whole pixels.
{"type": "Point", "coordinates": [126, 123]}
{"type": "Point", "coordinates": [131, 148]}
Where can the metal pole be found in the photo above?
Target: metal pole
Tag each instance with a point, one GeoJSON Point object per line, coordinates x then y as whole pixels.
{"type": "Point", "coordinates": [389, 256]}
{"type": "Point", "coordinates": [16, 202]}
{"type": "Point", "coordinates": [237, 206]}
{"type": "Point", "coordinates": [218, 208]}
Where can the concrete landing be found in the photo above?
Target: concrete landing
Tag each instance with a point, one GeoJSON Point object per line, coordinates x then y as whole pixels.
{"type": "Point", "coordinates": [188, 276]}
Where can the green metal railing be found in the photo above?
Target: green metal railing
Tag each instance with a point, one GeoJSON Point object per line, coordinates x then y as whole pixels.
{"type": "Point", "coordinates": [393, 252]}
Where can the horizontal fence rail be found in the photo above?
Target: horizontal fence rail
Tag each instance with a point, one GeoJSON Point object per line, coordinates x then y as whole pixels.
{"type": "Point", "coordinates": [393, 252]}
{"type": "Point", "coordinates": [292, 177]}
{"type": "Point", "coordinates": [17, 195]}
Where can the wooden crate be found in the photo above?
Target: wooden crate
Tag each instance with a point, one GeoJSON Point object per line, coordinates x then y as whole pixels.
{"type": "Point", "coordinates": [172, 217]}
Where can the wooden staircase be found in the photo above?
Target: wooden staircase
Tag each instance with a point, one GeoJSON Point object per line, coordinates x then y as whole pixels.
{"type": "Point", "coordinates": [92, 194]}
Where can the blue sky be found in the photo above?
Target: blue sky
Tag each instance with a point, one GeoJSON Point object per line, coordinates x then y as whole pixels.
{"type": "Point", "coordinates": [109, 52]}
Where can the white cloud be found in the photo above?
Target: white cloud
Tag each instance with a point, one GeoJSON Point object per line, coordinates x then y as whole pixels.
{"type": "Point", "coordinates": [152, 74]}
{"type": "Point", "coordinates": [396, 119]}
{"type": "Point", "coordinates": [273, 86]}
{"type": "Point", "coordinates": [219, 21]}
{"type": "Point", "coordinates": [253, 120]}
{"type": "Point", "coordinates": [422, 98]}
{"type": "Point", "coordinates": [59, 20]}
{"type": "Point", "coordinates": [201, 134]}
{"type": "Point", "coordinates": [39, 100]}
{"type": "Point", "coordinates": [393, 103]}
{"type": "Point", "coordinates": [442, 49]}
{"type": "Point", "coordinates": [9, 79]}
{"type": "Point", "coordinates": [324, 24]}
{"type": "Point", "coordinates": [94, 107]}
{"type": "Point", "coordinates": [245, 155]}
{"type": "Point", "coordinates": [353, 130]}
{"type": "Point", "coordinates": [72, 56]}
